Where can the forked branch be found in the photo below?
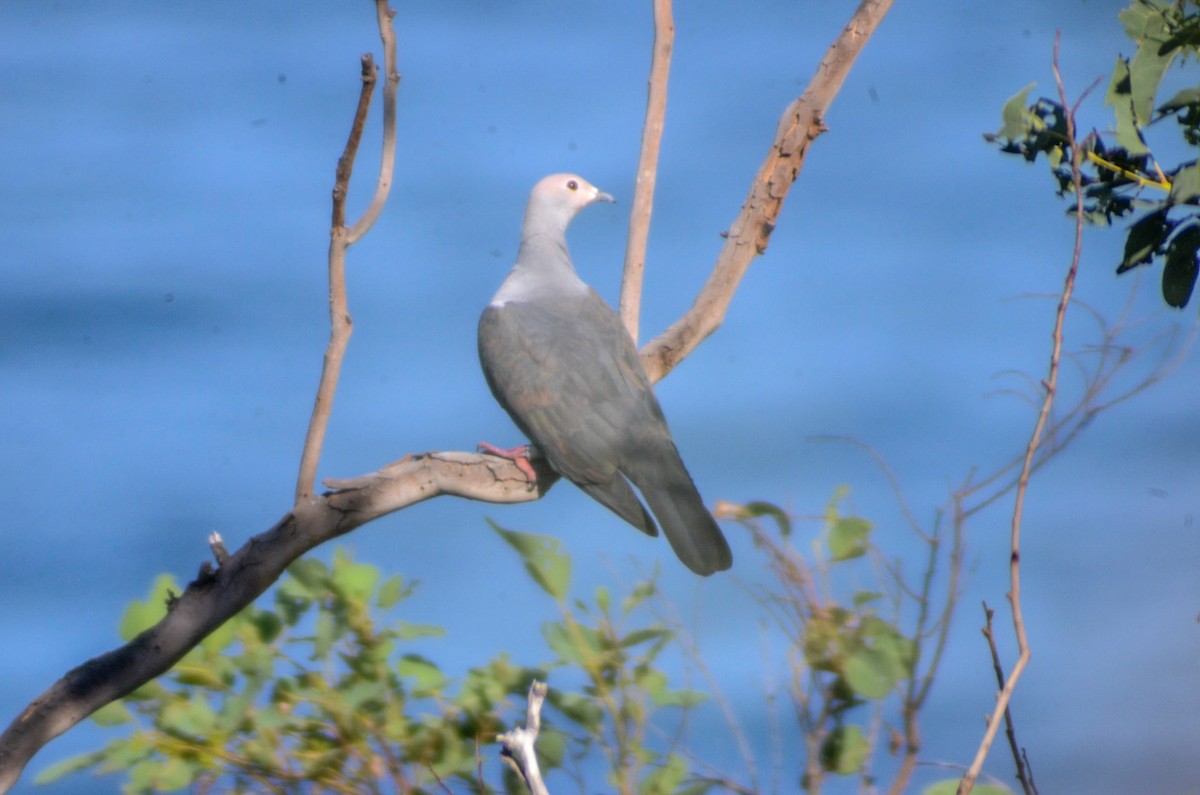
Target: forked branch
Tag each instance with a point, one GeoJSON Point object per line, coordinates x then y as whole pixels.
{"type": "Point", "coordinates": [341, 238]}
{"type": "Point", "coordinates": [802, 122]}
{"type": "Point", "coordinates": [215, 596]}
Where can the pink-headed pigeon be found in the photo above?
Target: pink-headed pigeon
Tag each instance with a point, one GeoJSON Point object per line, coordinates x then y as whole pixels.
{"type": "Point", "coordinates": [562, 365]}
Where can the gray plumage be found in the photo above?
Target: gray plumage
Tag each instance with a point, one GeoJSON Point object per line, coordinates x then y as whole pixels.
{"type": "Point", "coordinates": [561, 363]}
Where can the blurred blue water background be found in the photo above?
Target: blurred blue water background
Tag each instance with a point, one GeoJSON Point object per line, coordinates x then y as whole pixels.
{"type": "Point", "coordinates": [166, 172]}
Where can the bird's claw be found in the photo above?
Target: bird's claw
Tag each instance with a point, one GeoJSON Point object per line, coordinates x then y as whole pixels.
{"type": "Point", "coordinates": [519, 455]}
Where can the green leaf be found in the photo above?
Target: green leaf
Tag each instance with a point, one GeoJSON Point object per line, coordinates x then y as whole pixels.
{"type": "Point", "coordinates": [871, 673]}
{"type": "Point", "coordinates": [391, 592]}
{"type": "Point", "coordinates": [267, 625]}
{"type": "Point", "coordinates": [124, 754]}
{"type": "Point", "coordinates": [949, 786]}
{"type": "Point", "coordinates": [1015, 116]}
{"type": "Point", "coordinates": [848, 538]}
{"type": "Point", "coordinates": [327, 633]}
{"type": "Point", "coordinates": [1146, 239]}
{"type": "Point", "coordinates": [640, 593]}
{"type": "Point", "coordinates": [114, 713]}
{"type": "Point", "coordinates": [603, 600]}
{"type": "Point", "coordinates": [140, 616]}
{"type": "Point", "coordinates": [580, 709]}
{"type": "Point", "coordinates": [1120, 97]}
{"type": "Point", "coordinates": [194, 717]}
{"type": "Point", "coordinates": [665, 779]}
{"type": "Point", "coordinates": [237, 711]}
{"type": "Point", "coordinates": [163, 776]}
{"type": "Point", "coordinates": [428, 677]}
{"type": "Point", "coordinates": [199, 676]}
{"type": "Point", "coordinates": [307, 576]}
{"type": "Point", "coordinates": [844, 750]}
{"type": "Point", "coordinates": [1179, 270]}
{"type": "Point", "coordinates": [551, 748]}
{"type": "Point", "coordinates": [363, 695]}
{"type": "Point", "coordinates": [403, 630]}
{"type": "Point", "coordinates": [72, 764]}
{"type": "Point", "coordinates": [643, 635]}
{"type": "Point", "coordinates": [1185, 185]}
{"type": "Point", "coordinates": [1182, 99]}
{"type": "Point", "coordinates": [355, 582]}
{"type": "Point", "coordinates": [759, 508]}
{"type": "Point", "coordinates": [219, 639]}
{"type": "Point", "coordinates": [574, 644]}
{"type": "Point", "coordinates": [866, 597]}
{"type": "Point", "coordinates": [543, 559]}
{"type": "Point", "coordinates": [1146, 24]}
{"type": "Point", "coordinates": [560, 642]}
{"type": "Point", "coordinates": [654, 682]}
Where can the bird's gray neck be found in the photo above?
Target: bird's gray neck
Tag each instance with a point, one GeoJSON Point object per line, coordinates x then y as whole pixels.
{"type": "Point", "coordinates": [545, 252]}
{"type": "Point", "coordinates": [543, 271]}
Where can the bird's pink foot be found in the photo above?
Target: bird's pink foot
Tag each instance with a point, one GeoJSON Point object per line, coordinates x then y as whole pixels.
{"type": "Point", "coordinates": [519, 455]}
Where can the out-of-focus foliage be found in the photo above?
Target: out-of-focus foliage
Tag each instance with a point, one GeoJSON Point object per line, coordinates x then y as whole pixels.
{"type": "Point", "coordinates": [1122, 178]}
{"type": "Point", "coordinates": [864, 642]}
{"type": "Point", "coordinates": [317, 693]}
{"type": "Point", "coordinates": [313, 694]}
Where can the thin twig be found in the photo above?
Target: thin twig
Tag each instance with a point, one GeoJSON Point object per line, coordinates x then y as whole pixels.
{"type": "Point", "coordinates": [1010, 731]}
{"type": "Point", "coordinates": [340, 323]}
{"type": "Point", "coordinates": [1050, 385]}
{"type": "Point", "coordinates": [647, 174]}
{"type": "Point", "coordinates": [341, 238]}
{"type": "Point", "coordinates": [387, 159]}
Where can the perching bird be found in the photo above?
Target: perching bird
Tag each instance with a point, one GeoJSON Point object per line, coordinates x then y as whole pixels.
{"type": "Point", "coordinates": [561, 363]}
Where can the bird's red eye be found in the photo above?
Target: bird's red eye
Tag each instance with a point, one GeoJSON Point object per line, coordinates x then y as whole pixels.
{"type": "Point", "coordinates": [572, 185]}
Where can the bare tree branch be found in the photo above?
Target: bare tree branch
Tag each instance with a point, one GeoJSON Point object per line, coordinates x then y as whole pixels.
{"type": "Point", "coordinates": [1020, 758]}
{"type": "Point", "coordinates": [340, 323]}
{"type": "Point", "coordinates": [1050, 386]}
{"type": "Point", "coordinates": [341, 238]}
{"type": "Point", "coordinates": [387, 159]}
{"type": "Point", "coordinates": [520, 743]}
{"type": "Point", "coordinates": [215, 596]}
{"type": "Point", "coordinates": [643, 194]}
{"type": "Point", "coordinates": [802, 122]}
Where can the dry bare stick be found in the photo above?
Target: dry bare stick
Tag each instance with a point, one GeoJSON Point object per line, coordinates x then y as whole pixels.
{"type": "Point", "coordinates": [214, 597]}
{"type": "Point", "coordinates": [647, 174]}
{"type": "Point", "coordinates": [1010, 730]}
{"type": "Point", "coordinates": [341, 238]}
{"type": "Point", "coordinates": [520, 743]}
{"type": "Point", "coordinates": [1050, 385]}
{"type": "Point", "coordinates": [802, 122]}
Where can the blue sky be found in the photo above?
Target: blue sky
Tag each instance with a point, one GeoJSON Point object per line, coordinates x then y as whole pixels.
{"type": "Point", "coordinates": [167, 170]}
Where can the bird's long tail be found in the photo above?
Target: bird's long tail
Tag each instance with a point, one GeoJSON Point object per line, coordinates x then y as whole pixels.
{"type": "Point", "coordinates": [617, 495]}
{"type": "Point", "coordinates": [679, 508]}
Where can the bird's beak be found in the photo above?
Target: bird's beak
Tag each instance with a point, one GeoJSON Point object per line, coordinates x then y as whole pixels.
{"type": "Point", "coordinates": [601, 196]}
